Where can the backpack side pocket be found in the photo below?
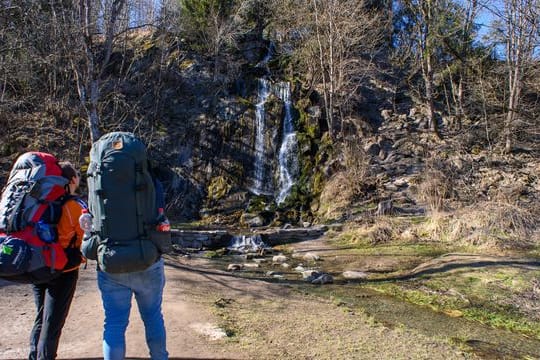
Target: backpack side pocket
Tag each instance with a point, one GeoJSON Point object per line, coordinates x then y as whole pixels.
{"type": "Point", "coordinates": [162, 240]}
{"type": "Point", "coordinates": [89, 247]}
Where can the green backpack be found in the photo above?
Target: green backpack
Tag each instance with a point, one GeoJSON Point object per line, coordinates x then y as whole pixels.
{"type": "Point", "coordinates": [122, 201]}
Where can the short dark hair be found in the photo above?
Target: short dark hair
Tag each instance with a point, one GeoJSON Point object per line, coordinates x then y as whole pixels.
{"type": "Point", "coordinates": [68, 170]}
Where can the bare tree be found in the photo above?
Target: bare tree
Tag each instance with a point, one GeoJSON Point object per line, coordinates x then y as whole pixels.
{"type": "Point", "coordinates": [95, 58]}
{"type": "Point", "coordinates": [30, 55]}
{"type": "Point", "coordinates": [462, 51]}
{"type": "Point", "coordinates": [520, 32]}
{"type": "Point", "coordinates": [420, 26]}
{"type": "Point", "coordinates": [431, 34]}
{"type": "Point", "coordinates": [426, 40]}
{"type": "Point", "coordinates": [213, 24]}
{"type": "Point", "coordinates": [335, 43]}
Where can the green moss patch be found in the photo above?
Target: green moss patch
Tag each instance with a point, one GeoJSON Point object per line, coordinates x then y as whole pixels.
{"type": "Point", "coordinates": [505, 297]}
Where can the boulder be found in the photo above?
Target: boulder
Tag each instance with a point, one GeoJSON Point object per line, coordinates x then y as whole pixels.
{"type": "Point", "coordinates": [279, 259]}
{"type": "Point", "coordinates": [323, 279]}
{"type": "Point", "coordinates": [355, 275]}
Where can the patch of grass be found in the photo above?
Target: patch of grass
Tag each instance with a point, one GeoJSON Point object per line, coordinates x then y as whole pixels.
{"type": "Point", "coordinates": [504, 318]}
{"type": "Point", "coordinates": [460, 342]}
{"type": "Point", "coordinates": [284, 249]}
{"type": "Point", "coordinates": [330, 234]}
{"type": "Point", "coordinates": [226, 321]}
{"type": "Point", "coordinates": [383, 231]}
{"type": "Point", "coordinates": [488, 225]}
{"type": "Point", "coordinates": [425, 297]}
{"type": "Point", "coordinates": [487, 296]}
{"type": "Point", "coordinates": [368, 207]}
{"type": "Point", "coordinates": [355, 237]}
{"type": "Point", "coordinates": [415, 220]}
{"type": "Point", "coordinates": [420, 249]}
{"type": "Point", "coordinates": [214, 254]}
{"type": "Point", "coordinates": [338, 301]}
{"type": "Point", "coordinates": [535, 252]}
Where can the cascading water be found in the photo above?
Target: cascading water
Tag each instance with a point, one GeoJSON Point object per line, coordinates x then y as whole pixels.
{"type": "Point", "coordinates": [260, 186]}
{"type": "Point", "coordinates": [288, 160]}
{"type": "Point", "coordinates": [242, 244]}
{"type": "Point", "coordinates": [259, 167]}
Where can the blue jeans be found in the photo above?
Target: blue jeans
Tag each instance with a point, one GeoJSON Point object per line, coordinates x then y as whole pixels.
{"type": "Point", "coordinates": [116, 292]}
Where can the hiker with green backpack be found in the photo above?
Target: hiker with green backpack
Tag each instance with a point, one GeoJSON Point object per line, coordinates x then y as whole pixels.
{"type": "Point", "coordinates": [125, 242]}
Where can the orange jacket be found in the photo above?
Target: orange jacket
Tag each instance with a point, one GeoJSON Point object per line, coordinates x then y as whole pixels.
{"type": "Point", "coordinates": [69, 228]}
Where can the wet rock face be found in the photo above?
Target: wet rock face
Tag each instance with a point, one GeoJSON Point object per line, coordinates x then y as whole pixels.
{"type": "Point", "coordinates": [218, 141]}
{"type": "Point", "coordinates": [183, 196]}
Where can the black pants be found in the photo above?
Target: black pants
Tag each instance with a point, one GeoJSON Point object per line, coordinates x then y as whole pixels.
{"type": "Point", "coordinates": [52, 300]}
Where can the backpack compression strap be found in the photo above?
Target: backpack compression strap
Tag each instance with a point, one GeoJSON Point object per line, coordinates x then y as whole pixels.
{"type": "Point", "coordinates": [140, 188]}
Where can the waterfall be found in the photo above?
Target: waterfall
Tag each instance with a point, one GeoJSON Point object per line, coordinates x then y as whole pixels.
{"type": "Point", "coordinates": [259, 185]}
{"type": "Point", "coordinates": [288, 160]}
{"type": "Point", "coordinates": [259, 173]}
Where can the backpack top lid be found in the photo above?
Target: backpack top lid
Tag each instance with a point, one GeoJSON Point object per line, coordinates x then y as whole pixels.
{"type": "Point", "coordinates": [120, 141]}
{"type": "Point", "coordinates": [38, 175]}
{"type": "Point", "coordinates": [43, 164]}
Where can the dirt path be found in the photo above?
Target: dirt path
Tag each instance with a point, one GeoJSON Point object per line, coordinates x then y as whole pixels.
{"type": "Point", "coordinates": [81, 338]}
{"type": "Point", "coordinates": [266, 321]}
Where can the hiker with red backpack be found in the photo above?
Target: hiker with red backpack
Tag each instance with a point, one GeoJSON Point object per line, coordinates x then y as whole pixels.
{"type": "Point", "coordinates": [40, 241]}
{"type": "Point", "coordinates": [53, 298]}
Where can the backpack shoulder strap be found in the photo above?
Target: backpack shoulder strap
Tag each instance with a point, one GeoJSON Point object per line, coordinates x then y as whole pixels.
{"type": "Point", "coordinates": [95, 189]}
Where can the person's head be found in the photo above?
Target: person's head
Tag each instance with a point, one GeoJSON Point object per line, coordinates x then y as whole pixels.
{"type": "Point", "coordinates": [73, 175]}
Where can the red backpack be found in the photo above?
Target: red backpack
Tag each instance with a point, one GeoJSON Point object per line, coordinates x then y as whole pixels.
{"type": "Point", "coordinates": [30, 208]}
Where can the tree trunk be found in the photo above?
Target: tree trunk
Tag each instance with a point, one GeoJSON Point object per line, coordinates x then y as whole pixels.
{"type": "Point", "coordinates": [93, 118]}
{"type": "Point", "coordinates": [428, 45]}
{"type": "Point", "coordinates": [428, 83]}
{"type": "Point", "coordinates": [461, 110]}
{"type": "Point", "coordinates": [385, 207]}
{"type": "Point", "coordinates": [88, 78]}
{"type": "Point", "coordinates": [328, 110]}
